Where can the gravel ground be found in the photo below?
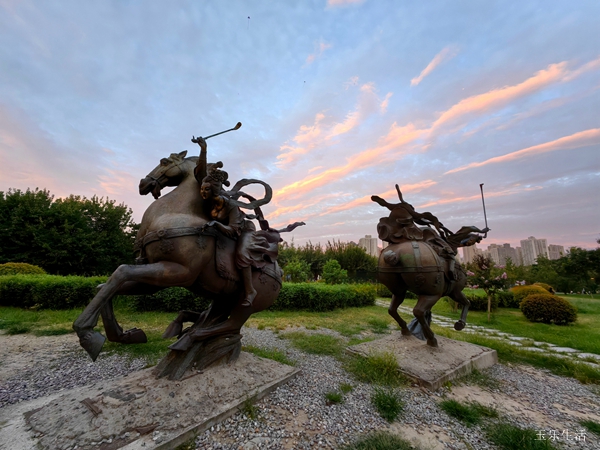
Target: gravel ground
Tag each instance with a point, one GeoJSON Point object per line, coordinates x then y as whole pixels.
{"type": "Point", "coordinates": [297, 416]}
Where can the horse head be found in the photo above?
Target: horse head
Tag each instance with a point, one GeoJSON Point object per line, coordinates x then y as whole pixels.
{"type": "Point", "coordinates": [168, 173]}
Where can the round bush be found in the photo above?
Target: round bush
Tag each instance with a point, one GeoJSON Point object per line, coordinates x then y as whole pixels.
{"type": "Point", "coordinates": [548, 308]}
{"type": "Point", "coordinates": [13, 268]}
{"type": "Point", "coordinates": [545, 286]}
{"type": "Point", "coordinates": [520, 292]}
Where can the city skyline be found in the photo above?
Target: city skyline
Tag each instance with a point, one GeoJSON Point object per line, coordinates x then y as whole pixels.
{"type": "Point", "coordinates": [339, 100]}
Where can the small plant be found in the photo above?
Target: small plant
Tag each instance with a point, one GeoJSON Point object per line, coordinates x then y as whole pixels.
{"type": "Point", "coordinates": [346, 388]}
{"type": "Point", "coordinates": [470, 413]}
{"type": "Point", "coordinates": [387, 402]}
{"type": "Point", "coordinates": [249, 409]}
{"type": "Point", "coordinates": [317, 344]}
{"type": "Point", "coordinates": [509, 437]}
{"type": "Point", "coordinates": [379, 326]}
{"type": "Point", "coordinates": [269, 353]}
{"type": "Point", "coordinates": [480, 379]}
{"type": "Point", "coordinates": [592, 426]}
{"type": "Point", "coordinates": [378, 369]}
{"type": "Point", "coordinates": [380, 441]}
{"type": "Point", "coordinates": [334, 397]}
{"type": "Point", "coordinates": [548, 308]}
{"type": "Point", "coordinates": [18, 328]}
{"type": "Point", "coordinates": [13, 268]}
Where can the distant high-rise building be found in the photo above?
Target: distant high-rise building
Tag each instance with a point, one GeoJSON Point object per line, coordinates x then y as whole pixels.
{"type": "Point", "coordinates": [532, 248]}
{"type": "Point", "coordinates": [501, 253]}
{"type": "Point", "coordinates": [369, 244]}
{"type": "Point", "coordinates": [555, 251]}
{"type": "Point", "coordinates": [519, 261]}
{"type": "Point", "coordinates": [470, 252]}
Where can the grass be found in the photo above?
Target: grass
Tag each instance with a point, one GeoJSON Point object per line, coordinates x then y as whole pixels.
{"type": "Point", "coordinates": [387, 402]}
{"type": "Point", "coordinates": [333, 397]}
{"type": "Point", "coordinates": [583, 335]}
{"type": "Point", "coordinates": [249, 409]}
{"type": "Point", "coordinates": [509, 437]}
{"type": "Point", "coordinates": [269, 353]}
{"type": "Point", "coordinates": [471, 413]}
{"type": "Point", "coordinates": [378, 325]}
{"type": "Point", "coordinates": [380, 441]}
{"type": "Point", "coordinates": [592, 426]}
{"type": "Point", "coordinates": [480, 379]}
{"type": "Point", "coordinates": [346, 388]}
{"type": "Point", "coordinates": [380, 369]}
{"type": "Point", "coordinates": [317, 344]}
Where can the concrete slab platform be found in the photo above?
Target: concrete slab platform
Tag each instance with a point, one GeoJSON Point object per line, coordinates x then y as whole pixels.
{"type": "Point", "coordinates": [140, 411]}
{"type": "Point", "coordinates": [430, 367]}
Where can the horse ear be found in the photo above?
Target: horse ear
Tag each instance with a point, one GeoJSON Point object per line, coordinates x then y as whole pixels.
{"type": "Point", "coordinates": [183, 153]}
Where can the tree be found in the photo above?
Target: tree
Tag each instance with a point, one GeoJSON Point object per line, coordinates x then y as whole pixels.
{"type": "Point", "coordinates": [70, 236]}
{"type": "Point", "coordinates": [487, 277]}
{"type": "Point", "coordinates": [296, 271]}
{"type": "Point", "coordinates": [333, 272]}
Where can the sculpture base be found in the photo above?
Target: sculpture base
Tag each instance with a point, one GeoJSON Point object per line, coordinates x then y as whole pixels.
{"type": "Point", "coordinates": [431, 367]}
{"type": "Point", "coordinates": [140, 411]}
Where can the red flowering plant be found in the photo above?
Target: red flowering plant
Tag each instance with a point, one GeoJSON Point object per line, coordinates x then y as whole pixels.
{"type": "Point", "coordinates": [485, 275]}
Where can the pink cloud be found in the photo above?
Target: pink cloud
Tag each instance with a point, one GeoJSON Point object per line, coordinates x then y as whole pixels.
{"type": "Point", "coordinates": [445, 55]}
{"type": "Point", "coordinates": [320, 47]}
{"type": "Point", "coordinates": [576, 140]}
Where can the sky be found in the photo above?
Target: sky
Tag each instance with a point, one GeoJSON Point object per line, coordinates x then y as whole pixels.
{"type": "Point", "coordinates": [339, 100]}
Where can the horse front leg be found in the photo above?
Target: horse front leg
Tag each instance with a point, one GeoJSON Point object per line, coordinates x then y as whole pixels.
{"type": "Point", "coordinates": [424, 304]}
{"type": "Point", "coordinates": [163, 273]}
{"type": "Point", "coordinates": [460, 298]}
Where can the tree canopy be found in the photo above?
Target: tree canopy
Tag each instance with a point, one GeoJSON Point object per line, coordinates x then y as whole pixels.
{"type": "Point", "coordinates": [68, 236]}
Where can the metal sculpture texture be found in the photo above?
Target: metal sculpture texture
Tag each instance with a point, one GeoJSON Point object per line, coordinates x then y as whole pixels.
{"type": "Point", "coordinates": [197, 237]}
{"type": "Point", "coordinates": [421, 259]}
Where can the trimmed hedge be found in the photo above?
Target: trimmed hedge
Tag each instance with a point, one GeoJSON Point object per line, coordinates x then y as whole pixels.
{"type": "Point", "coordinates": [47, 291]}
{"type": "Point", "coordinates": [478, 302]}
{"type": "Point", "coordinates": [324, 297]}
{"type": "Point", "coordinates": [520, 292]}
{"type": "Point", "coordinates": [548, 308]}
{"type": "Point", "coordinates": [173, 299]}
{"type": "Point", "coordinates": [506, 299]}
{"type": "Point", "coordinates": [383, 291]}
{"type": "Point", "coordinates": [545, 286]}
{"type": "Point", "coordinates": [16, 268]}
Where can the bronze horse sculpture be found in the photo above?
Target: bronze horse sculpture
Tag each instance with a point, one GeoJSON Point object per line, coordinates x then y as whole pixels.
{"type": "Point", "coordinates": [179, 247]}
{"type": "Point", "coordinates": [421, 260]}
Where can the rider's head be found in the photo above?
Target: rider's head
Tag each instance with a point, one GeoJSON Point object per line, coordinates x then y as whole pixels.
{"type": "Point", "coordinates": [212, 184]}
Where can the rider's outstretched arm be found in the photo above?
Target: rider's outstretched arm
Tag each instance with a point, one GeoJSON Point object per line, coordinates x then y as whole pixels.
{"type": "Point", "coordinates": [200, 171]}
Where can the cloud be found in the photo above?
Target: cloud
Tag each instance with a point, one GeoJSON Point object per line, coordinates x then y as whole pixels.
{"type": "Point", "coordinates": [576, 140]}
{"type": "Point", "coordinates": [320, 47]}
{"type": "Point", "coordinates": [446, 54]}
{"type": "Point", "coordinates": [504, 193]}
{"type": "Point", "coordinates": [343, 2]}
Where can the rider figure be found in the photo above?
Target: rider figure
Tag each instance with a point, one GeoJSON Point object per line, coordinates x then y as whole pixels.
{"type": "Point", "coordinates": [253, 249]}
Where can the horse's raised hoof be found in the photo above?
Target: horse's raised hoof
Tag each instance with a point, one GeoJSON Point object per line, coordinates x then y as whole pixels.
{"type": "Point", "coordinates": [133, 336]}
{"type": "Point", "coordinates": [92, 343]}
{"type": "Point", "coordinates": [174, 329]}
{"type": "Point", "coordinates": [432, 342]}
{"type": "Point", "coordinates": [459, 325]}
{"type": "Point", "coordinates": [182, 344]}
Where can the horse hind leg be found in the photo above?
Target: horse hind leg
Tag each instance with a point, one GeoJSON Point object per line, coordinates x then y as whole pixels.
{"type": "Point", "coordinates": [397, 299]}
{"type": "Point", "coordinates": [461, 299]}
{"type": "Point", "coordinates": [424, 304]}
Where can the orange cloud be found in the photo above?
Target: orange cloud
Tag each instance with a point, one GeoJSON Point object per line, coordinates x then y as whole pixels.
{"type": "Point", "coordinates": [319, 49]}
{"type": "Point", "coordinates": [576, 140]}
{"type": "Point", "coordinates": [446, 54]}
{"type": "Point", "coordinates": [384, 104]}
{"type": "Point", "coordinates": [478, 197]}
{"type": "Point", "coordinates": [499, 97]}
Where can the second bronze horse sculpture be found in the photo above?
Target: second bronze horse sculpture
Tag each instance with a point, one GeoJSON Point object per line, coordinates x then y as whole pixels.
{"type": "Point", "coordinates": [422, 260]}
{"type": "Point", "coordinates": [197, 237]}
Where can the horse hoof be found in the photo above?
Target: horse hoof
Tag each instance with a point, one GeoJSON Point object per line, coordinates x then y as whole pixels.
{"type": "Point", "coordinates": [459, 325]}
{"type": "Point", "coordinates": [133, 336]}
{"type": "Point", "coordinates": [432, 342]}
{"type": "Point", "coordinates": [92, 343]}
{"type": "Point", "coordinates": [182, 344]}
{"type": "Point", "coordinates": [406, 332]}
{"type": "Point", "coordinates": [174, 329]}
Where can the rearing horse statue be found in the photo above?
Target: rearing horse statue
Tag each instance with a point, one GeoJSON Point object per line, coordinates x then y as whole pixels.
{"type": "Point", "coordinates": [179, 247]}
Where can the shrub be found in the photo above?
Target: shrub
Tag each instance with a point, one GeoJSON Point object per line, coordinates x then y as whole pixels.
{"type": "Point", "coordinates": [548, 308]}
{"type": "Point", "coordinates": [506, 299]}
{"type": "Point", "coordinates": [323, 297]}
{"type": "Point", "coordinates": [297, 271]}
{"type": "Point", "coordinates": [478, 302]}
{"type": "Point", "coordinates": [13, 268]}
{"type": "Point", "coordinates": [545, 286]}
{"type": "Point", "coordinates": [333, 272]}
{"type": "Point", "coordinates": [47, 291]}
{"type": "Point", "coordinates": [171, 299]}
{"type": "Point", "coordinates": [520, 292]}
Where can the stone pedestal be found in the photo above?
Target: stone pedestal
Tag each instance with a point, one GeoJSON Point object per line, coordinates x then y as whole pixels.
{"type": "Point", "coordinates": [430, 367]}
{"type": "Point", "coordinates": [140, 411]}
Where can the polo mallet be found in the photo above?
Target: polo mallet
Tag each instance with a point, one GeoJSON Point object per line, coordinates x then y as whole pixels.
{"type": "Point", "coordinates": [484, 214]}
{"type": "Point", "coordinates": [237, 127]}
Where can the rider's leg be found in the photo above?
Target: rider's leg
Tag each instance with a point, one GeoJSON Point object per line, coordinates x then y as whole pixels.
{"type": "Point", "coordinates": [250, 292]}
